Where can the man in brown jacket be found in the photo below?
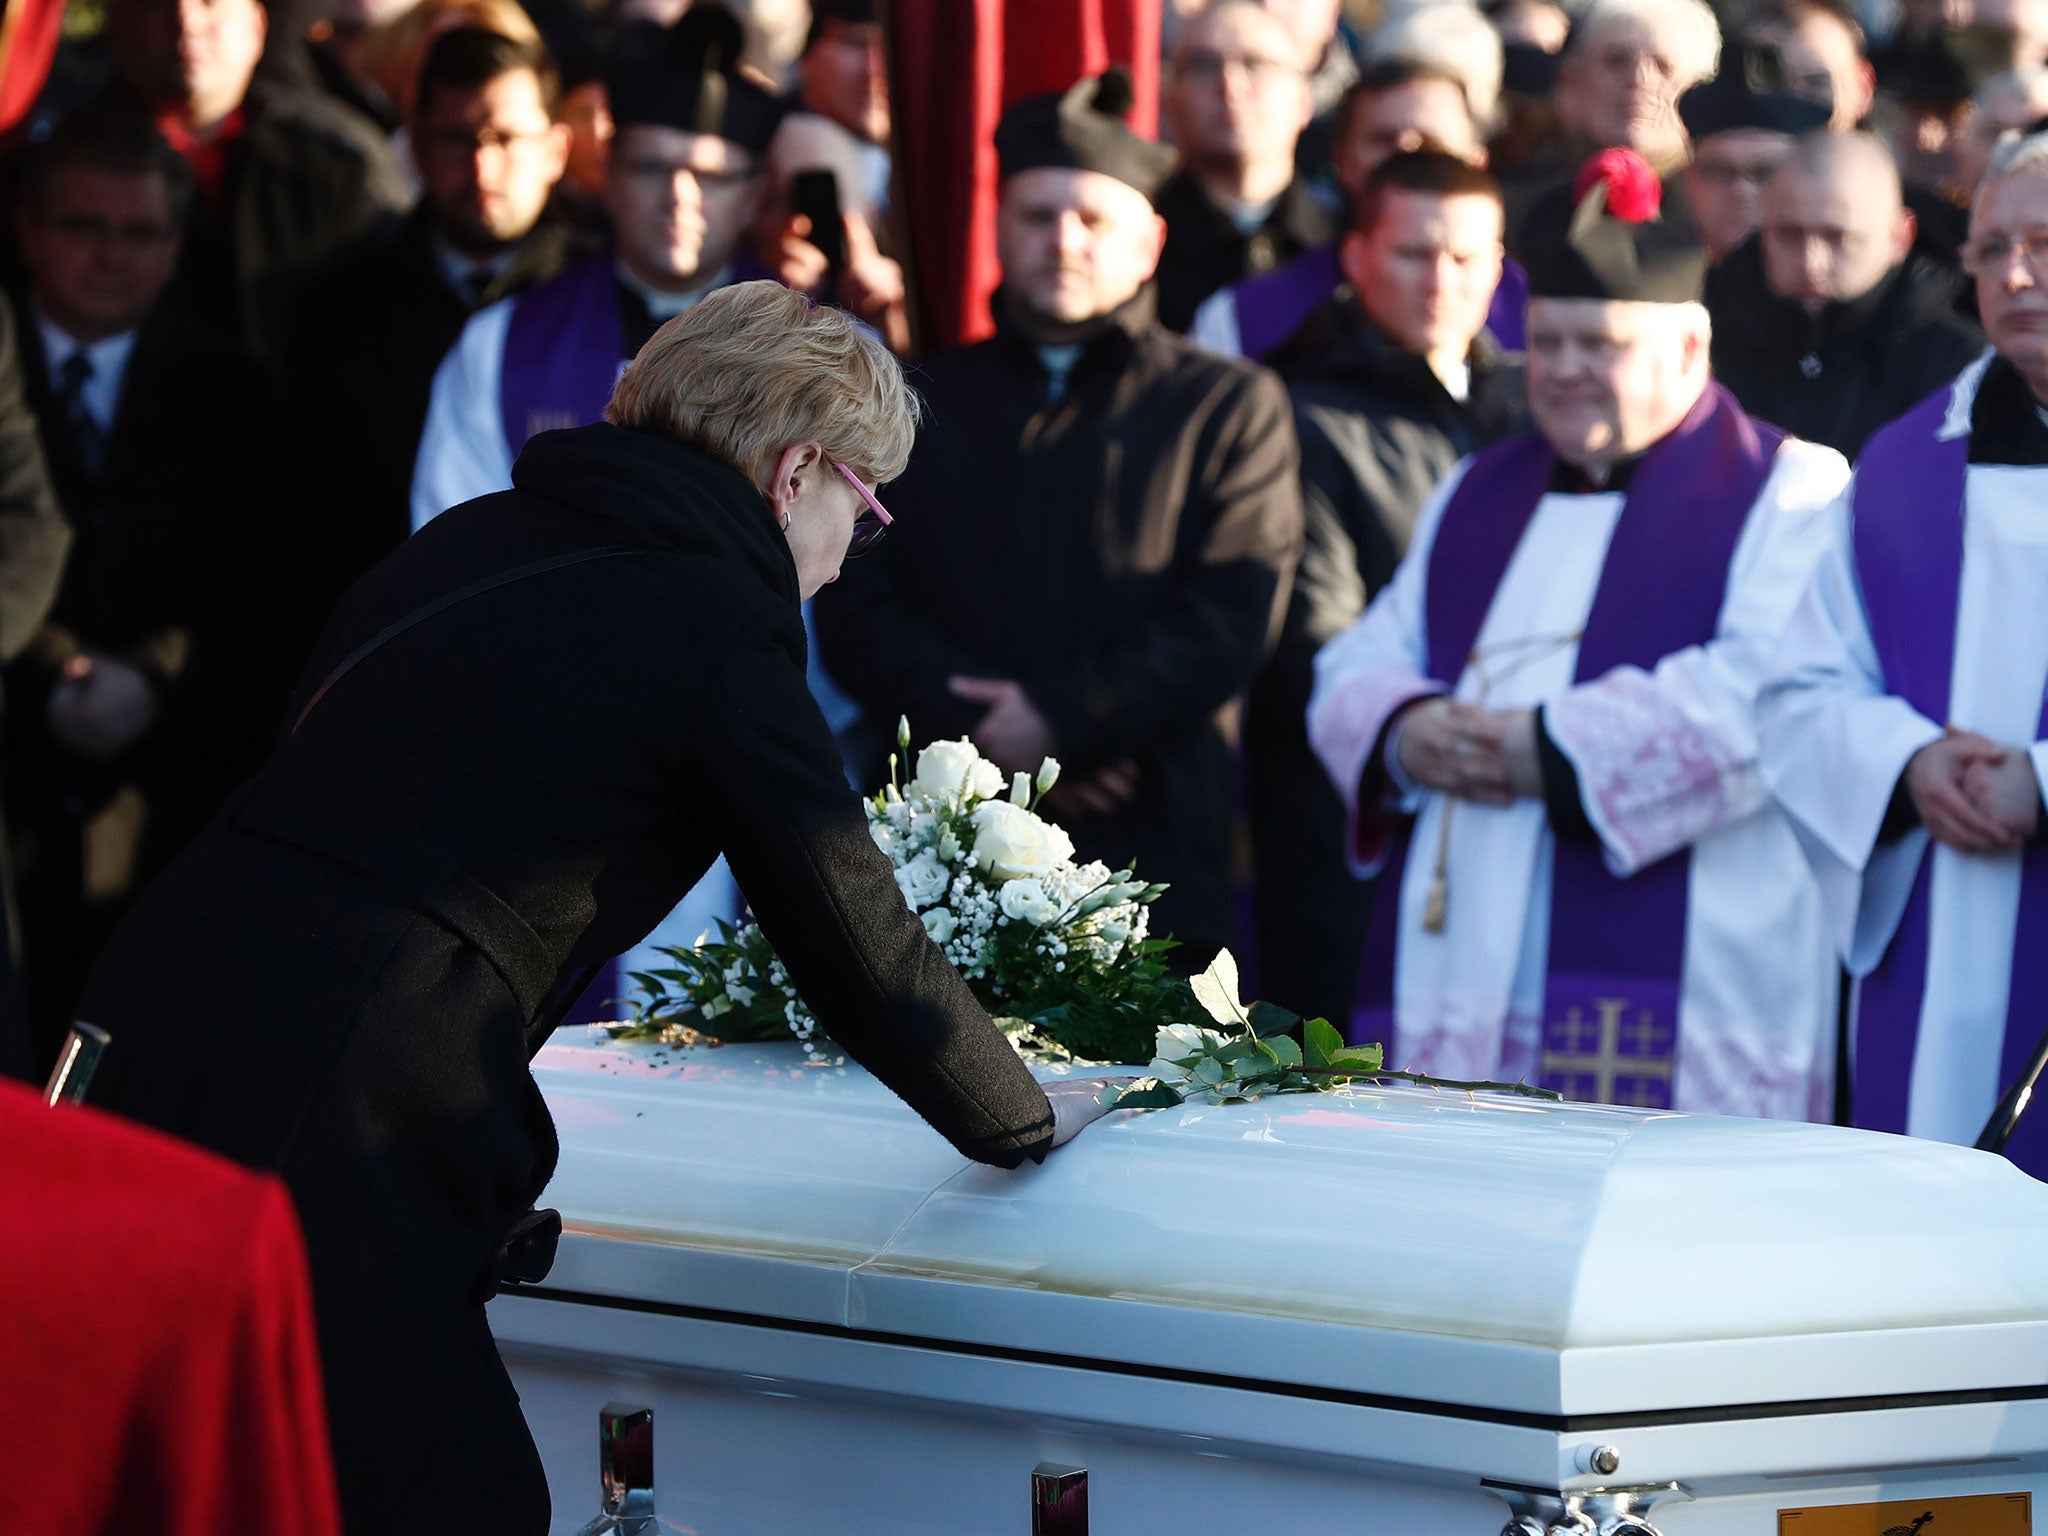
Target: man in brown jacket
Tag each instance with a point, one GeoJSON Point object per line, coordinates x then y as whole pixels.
{"type": "Point", "coordinates": [1096, 531]}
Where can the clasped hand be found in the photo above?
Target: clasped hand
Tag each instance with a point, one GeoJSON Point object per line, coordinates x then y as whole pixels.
{"type": "Point", "coordinates": [1470, 752]}
{"type": "Point", "coordinates": [100, 706]}
{"type": "Point", "coordinates": [1975, 794]}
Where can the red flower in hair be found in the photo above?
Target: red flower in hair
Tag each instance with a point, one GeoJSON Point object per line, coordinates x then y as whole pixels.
{"type": "Point", "coordinates": [1634, 194]}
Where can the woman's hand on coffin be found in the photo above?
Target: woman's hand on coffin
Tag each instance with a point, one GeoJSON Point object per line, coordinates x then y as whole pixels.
{"type": "Point", "coordinates": [2007, 791]}
{"type": "Point", "coordinates": [1075, 1105]}
{"type": "Point", "coordinates": [1935, 778]}
{"type": "Point", "coordinates": [1456, 749]}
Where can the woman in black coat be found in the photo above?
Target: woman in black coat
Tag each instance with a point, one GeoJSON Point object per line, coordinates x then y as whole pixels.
{"type": "Point", "coordinates": [345, 977]}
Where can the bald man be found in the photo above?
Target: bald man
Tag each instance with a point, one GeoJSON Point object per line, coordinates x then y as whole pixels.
{"type": "Point", "coordinates": [1826, 324]}
{"type": "Point", "coordinates": [1236, 100]}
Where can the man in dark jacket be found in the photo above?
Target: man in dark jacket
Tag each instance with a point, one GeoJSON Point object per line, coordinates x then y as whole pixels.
{"type": "Point", "coordinates": [1237, 99]}
{"type": "Point", "coordinates": [372, 331]}
{"type": "Point", "coordinates": [284, 175]}
{"type": "Point", "coordinates": [1096, 529]}
{"type": "Point", "coordinates": [344, 977]}
{"type": "Point", "coordinates": [133, 714]}
{"type": "Point", "coordinates": [1825, 324]}
{"type": "Point", "coordinates": [1393, 380]}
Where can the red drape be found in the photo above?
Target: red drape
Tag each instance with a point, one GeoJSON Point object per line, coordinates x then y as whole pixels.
{"type": "Point", "coordinates": [954, 65]}
{"type": "Point", "coordinates": [29, 30]}
{"type": "Point", "coordinates": [158, 1370]}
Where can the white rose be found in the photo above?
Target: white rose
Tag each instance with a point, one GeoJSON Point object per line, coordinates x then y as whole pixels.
{"type": "Point", "coordinates": [1011, 842]}
{"type": "Point", "coordinates": [939, 923]}
{"type": "Point", "coordinates": [1025, 901]}
{"type": "Point", "coordinates": [984, 780]}
{"type": "Point", "coordinates": [944, 768]}
{"type": "Point", "coordinates": [923, 880]}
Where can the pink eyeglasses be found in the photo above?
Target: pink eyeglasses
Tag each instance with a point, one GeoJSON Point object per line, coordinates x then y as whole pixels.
{"type": "Point", "coordinates": [867, 533]}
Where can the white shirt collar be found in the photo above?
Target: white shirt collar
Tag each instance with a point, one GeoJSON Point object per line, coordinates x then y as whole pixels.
{"type": "Point", "coordinates": [109, 359]}
{"type": "Point", "coordinates": [662, 304]}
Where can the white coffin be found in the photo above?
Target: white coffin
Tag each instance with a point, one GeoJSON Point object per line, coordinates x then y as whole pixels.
{"type": "Point", "coordinates": [1352, 1312]}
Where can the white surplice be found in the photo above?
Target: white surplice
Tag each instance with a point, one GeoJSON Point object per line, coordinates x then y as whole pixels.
{"type": "Point", "coordinates": [1666, 760]}
{"type": "Point", "coordinates": [1836, 743]}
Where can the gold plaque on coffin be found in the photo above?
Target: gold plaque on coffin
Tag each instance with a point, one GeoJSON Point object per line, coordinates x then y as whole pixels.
{"type": "Point", "coordinates": [1989, 1514]}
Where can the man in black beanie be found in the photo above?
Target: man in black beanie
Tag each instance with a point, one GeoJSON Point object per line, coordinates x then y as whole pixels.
{"type": "Point", "coordinates": [1096, 531]}
{"type": "Point", "coordinates": [1742, 124]}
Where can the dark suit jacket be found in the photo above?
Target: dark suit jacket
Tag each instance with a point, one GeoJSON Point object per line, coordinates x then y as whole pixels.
{"type": "Point", "coordinates": [169, 571]}
{"type": "Point", "coordinates": [369, 333]}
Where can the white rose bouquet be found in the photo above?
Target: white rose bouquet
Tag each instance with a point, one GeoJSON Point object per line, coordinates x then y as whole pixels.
{"type": "Point", "coordinates": [1059, 951]}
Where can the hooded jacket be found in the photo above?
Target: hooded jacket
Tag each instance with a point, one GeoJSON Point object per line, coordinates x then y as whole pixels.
{"type": "Point", "coordinates": [1837, 376]}
{"type": "Point", "coordinates": [344, 977]}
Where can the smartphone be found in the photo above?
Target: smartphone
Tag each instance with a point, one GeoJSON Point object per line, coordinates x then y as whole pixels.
{"type": "Point", "coordinates": [815, 195]}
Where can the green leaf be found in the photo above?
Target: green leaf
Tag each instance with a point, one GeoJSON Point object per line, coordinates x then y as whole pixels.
{"type": "Point", "coordinates": [1143, 1093]}
{"type": "Point", "coordinates": [1283, 1050]}
{"type": "Point", "coordinates": [1359, 1058]}
{"type": "Point", "coordinates": [1216, 990]}
{"type": "Point", "coordinates": [1320, 1040]}
{"type": "Point", "coordinates": [1209, 1070]}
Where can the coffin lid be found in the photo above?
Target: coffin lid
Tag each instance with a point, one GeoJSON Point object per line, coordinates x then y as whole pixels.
{"type": "Point", "coordinates": [1494, 1252]}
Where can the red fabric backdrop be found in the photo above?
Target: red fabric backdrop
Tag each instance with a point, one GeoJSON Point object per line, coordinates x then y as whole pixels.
{"type": "Point", "coordinates": [29, 30]}
{"type": "Point", "coordinates": [158, 1371]}
{"type": "Point", "coordinates": [954, 65]}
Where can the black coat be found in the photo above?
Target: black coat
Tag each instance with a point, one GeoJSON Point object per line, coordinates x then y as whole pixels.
{"type": "Point", "coordinates": [1206, 251]}
{"type": "Point", "coordinates": [1838, 376]}
{"type": "Point", "coordinates": [170, 565]}
{"type": "Point", "coordinates": [306, 176]}
{"type": "Point", "coordinates": [368, 336]}
{"type": "Point", "coordinates": [1122, 551]}
{"type": "Point", "coordinates": [1378, 433]}
{"type": "Point", "coordinates": [341, 979]}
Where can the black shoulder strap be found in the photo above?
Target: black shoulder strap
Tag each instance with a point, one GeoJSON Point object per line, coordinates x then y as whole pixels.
{"type": "Point", "coordinates": [443, 603]}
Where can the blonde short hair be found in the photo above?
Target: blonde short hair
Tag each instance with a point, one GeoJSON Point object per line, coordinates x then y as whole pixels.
{"type": "Point", "coordinates": [755, 368]}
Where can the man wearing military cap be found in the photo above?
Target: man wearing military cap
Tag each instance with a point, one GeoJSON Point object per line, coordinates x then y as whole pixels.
{"type": "Point", "coordinates": [1095, 533]}
{"type": "Point", "coordinates": [684, 183]}
{"type": "Point", "coordinates": [1742, 123]}
{"type": "Point", "coordinates": [1542, 725]}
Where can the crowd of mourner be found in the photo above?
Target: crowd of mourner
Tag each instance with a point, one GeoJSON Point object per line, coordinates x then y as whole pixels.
{"type": "Point", "coordinates": [1411, 496]}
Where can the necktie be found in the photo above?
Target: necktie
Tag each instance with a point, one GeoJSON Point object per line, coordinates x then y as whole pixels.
{"type": "Point", "coordinates": [477, 282]}
{"type": "Point", "coordinates": [87, 438]}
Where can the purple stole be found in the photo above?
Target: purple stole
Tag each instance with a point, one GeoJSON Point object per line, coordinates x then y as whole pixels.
{"type": "Point", "coordinates": [1908, 529]}
{"type": "Point", "coordinates": [562, 352]}
{"type": "Point", "coordinates": [1617, 947]}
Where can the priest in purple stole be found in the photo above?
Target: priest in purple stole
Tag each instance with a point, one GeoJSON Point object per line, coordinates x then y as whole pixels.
{"type": "Point", "coordinates": [1543, 727]}
{"type": "Point", "coordinates": [684, 187]}
{"type": "Point", "coordinates": [1906, 730]}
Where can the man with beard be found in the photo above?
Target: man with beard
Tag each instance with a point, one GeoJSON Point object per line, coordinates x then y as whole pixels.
{"type": "Point", "coordinates": [489, 150]}
{"type": "Point", "coordinates": [1095, 532]}
{"type": "Point", "coordinates": [691, 129]}
{"type": "Point", "coordinates": [1827, 324]}
{"type": "Point", "coordinates": [1542, 726]}
{"type": "Point", "coordinates": [1905, 731]}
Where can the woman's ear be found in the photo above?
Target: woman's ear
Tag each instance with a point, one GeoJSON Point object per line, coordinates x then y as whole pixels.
{"type": "Point", "coordinates": [792, 476]}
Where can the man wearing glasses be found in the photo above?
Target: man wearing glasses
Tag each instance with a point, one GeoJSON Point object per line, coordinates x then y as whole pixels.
{"type": "Point", "coordinates": [489, 151]}
{"type": "Point", "coordinates": [684, 186]}
{"type": "Point", "coordinates": [1904, 733]}
{"type": "Point", "coordinates": [123, 718]}
{"type": "Point", "coordinates": [1236, 101]}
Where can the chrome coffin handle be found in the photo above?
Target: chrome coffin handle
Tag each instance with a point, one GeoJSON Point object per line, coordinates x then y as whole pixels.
{"type": "Point", "coordinates": [1059, 1500]}
{"type": "Point", "coordinates": [1585, 1512]}
{"type": "Point", "coordinates": [625, 1467]}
